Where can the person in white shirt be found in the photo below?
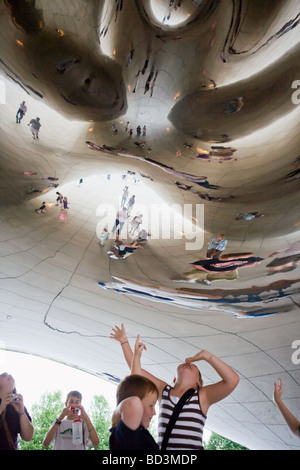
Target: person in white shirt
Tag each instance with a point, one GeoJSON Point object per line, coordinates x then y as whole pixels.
{"type": "Point", "coordinates": [21, 112]}
{"type": "Point", "coordinates": [61, 432]}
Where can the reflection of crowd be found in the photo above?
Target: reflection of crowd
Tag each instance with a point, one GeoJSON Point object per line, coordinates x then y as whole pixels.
{"type": "Point", "coordinates": [121, 249]}
{"type": "Point", "coordinates": [218, 263]}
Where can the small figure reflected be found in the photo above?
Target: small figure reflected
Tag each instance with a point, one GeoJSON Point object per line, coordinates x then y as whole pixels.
{"type": "Point", "coordinates": [21, 112]}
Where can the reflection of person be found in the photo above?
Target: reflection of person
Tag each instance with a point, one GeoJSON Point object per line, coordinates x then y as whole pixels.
{"type": "Point", "coordinates": [143, 235]}
{"type": "Point", "coordinates": [42, 208]}
{"type": "Point", "coordinates": [228, 264]}
{"type": "Point", "coordinates": [121, 218]}
{"type": "Point", "coordinates": [35, 126]}
{"type": "Point", "coordinates": [216, 246]}
{"type": "Point", "coordinates": [64, 64]}
{"type": "Point", "coordinates": [130, 203]}
{"type": "Point", "coordinates": [60, 432]}
{"type": "Point", "coordinates": [286, 263]}
{"type": "Point", "coordinates": [21, 112]}
{"type": "Point", "coordinates": [292, 422]}
{"type": "Point", "coordinates": [248, 216]}
{"type": "Point", "coordinates": [125, 196]}
{"type": "Point", "coordinates": [136, 399]}
{"type": "Point", "coordinates": [104, 236]}
{"type": "Point", "coordinates": [188, 376]}
{"type": "Point", "coordinates": [291, 250]}
{"type": "Point", "coordinates": [195, 275]}
{"type": "Point", "coordinates": [14, 417]}
{"type": "Point", "coordinates": [234, 105]}
{"type": "Point", "coordinates": [135, 223]}
{"type": "Point", "coordinates": [122, 251]}
{"type": "Point", "coordinates": [65, 203]}
{"type": "Point", "coordinates": [59, 199]}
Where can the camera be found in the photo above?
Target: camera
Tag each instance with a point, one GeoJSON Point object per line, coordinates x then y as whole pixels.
{"type": "Point", "coordinates": [14, 397]}
{"type": "Point", "coordinates": [75, 410]}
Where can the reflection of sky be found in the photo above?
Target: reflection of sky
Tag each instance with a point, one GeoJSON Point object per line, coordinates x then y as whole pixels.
{"type": "Point", "coordinates": [161, 9]}
{"type": "Point", "coordinates": [49, 376]}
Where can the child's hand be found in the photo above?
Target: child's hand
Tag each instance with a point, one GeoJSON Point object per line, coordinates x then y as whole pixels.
{"type": "Point", "coordinates": [278, 389]}
{"type": "Point", "coordinates": [18, 404]}
{"type": "Point", "coordinates": [200, 356]}
{"type": "Point", "coordinates": [119, 334]}
{"type": "Point", "coordinates": [138, 348]}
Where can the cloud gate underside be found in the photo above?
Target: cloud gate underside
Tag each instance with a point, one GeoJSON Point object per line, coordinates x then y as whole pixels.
{"type": "Point", "coordinates": [214, 86]}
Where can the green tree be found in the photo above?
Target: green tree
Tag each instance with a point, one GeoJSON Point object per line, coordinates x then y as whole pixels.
{"type": "Point", "coordinates": [100, 415]}
{"type": "Point", "coordinates": [43, 414]}
{"type": "Point", "coordinates": [217, 442]}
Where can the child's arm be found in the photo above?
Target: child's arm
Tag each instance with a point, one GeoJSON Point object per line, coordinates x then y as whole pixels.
{"type": "Point", "coordinates": [52, 431]}
{"type": "Point", "coordinates": [136, 367]}
{"type": "Point", "coordinates": [91, 430]}
{"type": "Point", "coordinates": [26, 427]}
{"type": "Point", "coordinates": [120, 335]}
{"type": "Point", "coordinates": [289, 418]}
{"type": "Point", "coordinates": [211, 394]}
{"type": "Point", "coordinates": [131, 412]}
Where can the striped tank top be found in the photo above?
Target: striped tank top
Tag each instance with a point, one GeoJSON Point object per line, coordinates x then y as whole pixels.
{"type": "Point", "coordinates": [187, 433]}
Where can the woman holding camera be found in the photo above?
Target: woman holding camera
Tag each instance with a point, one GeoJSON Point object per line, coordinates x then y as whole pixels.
{"type": "Point", "coordinates": [14, 418]}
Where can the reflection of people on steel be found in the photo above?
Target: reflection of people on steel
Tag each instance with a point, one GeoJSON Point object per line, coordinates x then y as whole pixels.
{"type": "Point", "coordinates": [35, 126]}
{"type": "Point", "coordinates": [230, 263]}
{"type": "Point", "coordinates": [121, 218]}
{"type": "Point", "coordinates": [135, 223]}
{"type": "Point", "coordinates": [121, 250]}
{"type": "Point", "coordinates": [59, 199]}
{"type": "Point", "coordinates": [104, 236]}
{"type": "Point", "coordinates": [64, 64]}
{"type": "Point", "coordinates": [291, 250]}
{"type": "Point", "coordinates": [42, 208]}
{"type": "Point", "coordinates": [216, 246]}
{"type": "Point", "coordinates": [143, 235]}
{"type": "Point", "coordinates": [234, 105]}
{"type": "Point", "coordinates": [125, 196]}
{"type": "Point", "coordinates": [65, 204]}
{"type": "Point", "coordinates": [130, 203]}
{"type": "Point", "coordinates": [286, 260]}
{"type": "Point", "coordinates": [21, 112]}
{"type": "Point", "coordinates": [51, 178]}
{"type": "Point", "coordinates": [227, 264]}
{"type": "Point", "coordinates": [33, 190]}
{"type": "Point", "coordinates": [292, 422]}
{"type": "Point", "coordinates": [206, 278]}
{"type": "Point", "coordinates": [222, 154]}
{"type": "Point", "coordinates": [63, 215]}
{"type": "Point", "coordinates": [201, 180]}
{"type": "Point", "coordinates": [285, 263]}
{"type": "Point", "coordinates": [249, 216]}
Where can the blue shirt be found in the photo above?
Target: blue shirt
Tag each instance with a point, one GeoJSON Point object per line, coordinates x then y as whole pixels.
{"type": "Point", "coordinates": [218, 244]}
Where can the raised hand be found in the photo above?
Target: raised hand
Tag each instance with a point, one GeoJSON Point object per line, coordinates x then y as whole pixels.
{"type": "Point", "coordinates": [119, 334]}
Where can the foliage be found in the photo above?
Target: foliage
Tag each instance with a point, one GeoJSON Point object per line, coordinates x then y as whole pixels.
{"type": "Point", "coordinates": [50, 406]}
{"type": "Point", "coordinates": [100, 415]}
{"type": "Point", "coordinates": [43, 414]}
{"type": "Point", "coordinates": [217, 442]}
